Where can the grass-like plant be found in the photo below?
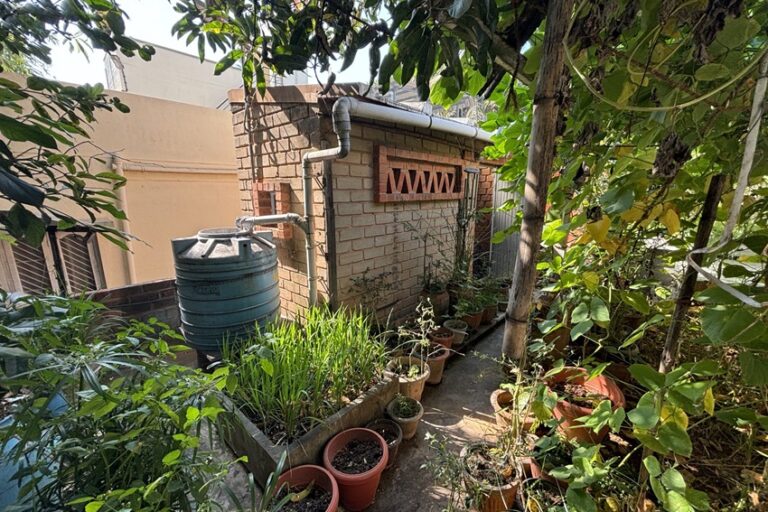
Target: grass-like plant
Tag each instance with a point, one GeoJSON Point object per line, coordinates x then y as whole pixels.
{"type": "Point", "coordinates": [294, 375]}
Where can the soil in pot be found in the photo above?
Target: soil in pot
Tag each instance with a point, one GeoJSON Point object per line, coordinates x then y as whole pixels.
{"type": "Point", "coordinates": [306, 498]}
{"type": "Point", "coordinates": [406, 412]}
{"type": "Point", "coordinates": [412, 373]}
{"type": "Point", "coordinates": [358, 456]}
{"type": "Point", "coordinates": [495, 472]}
{"type": "Point", "coordinates": [577, 394]}
{"type": "Point", "coordinates": [391, 432]}
{"type": "Point", "coordinates": [442, 336]}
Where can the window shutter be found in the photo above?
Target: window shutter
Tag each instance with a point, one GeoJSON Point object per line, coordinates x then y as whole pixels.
{"type": "Point", "coordinates": [32, 268]}
{"type": "Point", "coordinates": [78, 267]}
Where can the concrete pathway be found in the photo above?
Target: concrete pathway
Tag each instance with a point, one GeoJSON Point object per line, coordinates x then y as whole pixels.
{"type": "Point", "coordinates": [458, 409]}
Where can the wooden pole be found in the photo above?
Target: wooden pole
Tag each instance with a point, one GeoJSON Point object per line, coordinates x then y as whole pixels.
{"type": "Point", "coordinates": [684, 295]}
{"type": "Point", "coordinates": [541, 154]}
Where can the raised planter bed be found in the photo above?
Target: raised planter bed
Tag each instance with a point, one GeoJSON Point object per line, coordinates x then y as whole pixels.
{"type": "Point", "coordinates": [245, 438]}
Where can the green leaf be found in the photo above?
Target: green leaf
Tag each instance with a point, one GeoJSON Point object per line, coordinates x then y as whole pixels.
{"type": "Point", "coordinates": [754, 368]}
{"type": "Point", "coordinates": [698, 499]}
{"type": "Point", "coordinates": [649, 441]}
{"type": "Point", "coordinates": [579, 499]}
{"type": "Point", "coordinates": [580, 329]}
{"type": "Point", "coordinates": [21, 132]}
{"type": "Point", "coordinates": [636, 300]}
{"type": "Point", "coordinates": [617, 200]}
{"type": "Point", "coordinates": [737, 31]}
{"type": "Point", "coordinates": [580, 313]}
{"type": "Point", "coordinates": [731, 325]}
{"type": "Point", "coordinates": [709, 72]}
{"type": "Point", "coordinates": [644, 417]}
{"type": "Point", "coordinates": [647, 376]}
{"type": "Point", "coordinates": [673, 480]}
{"type": "Point", "coordinates": [598, 311]}
{"type": "Point", "coordinates": [738, 416]}
{"type": "Point", "coordinates": [618, 87]}
{"type": "Point", "coordinates": [94, 506]}
{"type": "Point", "coordinates": [23, 224]}
{"type": "Point", "coordinates": [171, 457]}
{"type": "Point", "coordinates": [675, 439]}
{"type": "Point", "coordinates": [652, 465]}
{"type": "Point", "coordinates": [676, 502]}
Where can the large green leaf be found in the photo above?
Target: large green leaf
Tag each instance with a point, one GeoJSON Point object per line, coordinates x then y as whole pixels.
{"type": "Point", "coordinates": [754, 367]}
{"type": "Point", "coordinates": [731, 325]}
{"type": "Point", "coordinates": [737, 31]}
{"type": "Point", "coordinates": [598, 311]}
{"type": "Point", "coordinates": [674, 438]}
{"type": "Point", "coordinates": [644, 417]}
{"type": "Point", "coordinates": [710, 72]}
{"type": "Point", "coordinates": [24, 132]}
{"type": "Point", "coordinates": [647, 376]}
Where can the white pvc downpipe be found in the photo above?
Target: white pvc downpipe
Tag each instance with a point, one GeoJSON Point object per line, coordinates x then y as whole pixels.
{"type": "Point", "coordinates": [343, 109]}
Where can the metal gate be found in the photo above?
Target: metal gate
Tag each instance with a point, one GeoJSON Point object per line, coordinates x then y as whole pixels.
{"type": "Point", "coordinates": [504, 254]}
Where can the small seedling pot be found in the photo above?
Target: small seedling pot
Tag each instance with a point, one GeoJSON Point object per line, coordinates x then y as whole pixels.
{"type": "Point", "coordinates": [436, 360]}
{"type": "Point", "coordinates": [393, 427]}
{"type": "Point", "coordinates": [496, 498]}
{"type": "Point", "coordinates": [442, 336]}
{"type": "Point", "coordinates": [408, 425]}
{"type": "Point", "coordinates": [357, 491]}
{"type": "Point", "coordinates": [301, 476]}
{"type": "Point", "coordinates": [412, 387]}
{"type": "Point", "coordinates": [505, 411]}
{"type": "Point", "coordinates": [459, 330]}
{"type": "Point", "coordinates": [567, 413]}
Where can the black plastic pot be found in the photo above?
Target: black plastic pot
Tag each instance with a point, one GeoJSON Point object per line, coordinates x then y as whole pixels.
{"type": "Point", "coordinates": [382, 425]}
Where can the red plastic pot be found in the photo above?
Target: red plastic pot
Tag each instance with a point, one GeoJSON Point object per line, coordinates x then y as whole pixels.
{"type": "Point", "coordinates": [442, 336]}
{"type": "Point", "coordinates": [305, 475]}
{"type": "Point", "coordinates": [566, 412]}
{"type": "Point", "coordinates": [357, 491]}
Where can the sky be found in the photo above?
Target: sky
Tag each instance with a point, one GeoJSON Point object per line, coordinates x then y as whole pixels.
{"type": "Point", "coordinates": [151, 21]}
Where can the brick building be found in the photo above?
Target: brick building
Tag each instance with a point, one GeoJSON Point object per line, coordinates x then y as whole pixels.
{"type": "Point", "coordinates": [399, 204]}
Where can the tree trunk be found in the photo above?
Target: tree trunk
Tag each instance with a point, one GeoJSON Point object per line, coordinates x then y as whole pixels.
{"type": "Point", "coordinates": [684, 295]}
{"type": "Point", "coordinates": [538, 174]}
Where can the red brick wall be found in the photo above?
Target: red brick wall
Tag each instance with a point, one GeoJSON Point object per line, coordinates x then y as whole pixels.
{"type": "Point", "coordinates": [143, 301]}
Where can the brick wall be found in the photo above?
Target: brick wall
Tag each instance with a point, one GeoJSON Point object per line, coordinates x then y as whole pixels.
{"type": "Point", "coordinates": [482, 247]}
{"type": "Point", "coordinates": [143, 301]}
{"type": "Point", "coordinates": [372, 239]}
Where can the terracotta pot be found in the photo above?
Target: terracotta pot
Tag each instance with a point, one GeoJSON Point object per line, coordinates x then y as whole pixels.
{"type": "Point", "coordinates": [438, 355]}
{"type": "Point", "coordinates": [384, 425]}
{"type": "Point", "coordinates": [440, 301]}
{"type": "Point", "coordinates": [503, 410]}
{"type": "Point", "coordinates": [357, 491]}
{"type": "Point", "coordinates": [560, 338]}
{"type": "Point", "coordinates": [459, 329]}
{"type": "Point", "coordinates": [474, 320]}
{"type": "Point", "coordinates": [566, 412]}
{"type": "Point", "coordinates": [442, 336]}
{"type": "Point", "coordinates": [489, 313]}
{"type": "Point", "coordinates": [496, 498]}
{"type": "Point", "coordinates": [410, 387]}
{"type": "Point", "coordinates": [301, 476]}
{"type": "Point", "coordinates": [408, 425]}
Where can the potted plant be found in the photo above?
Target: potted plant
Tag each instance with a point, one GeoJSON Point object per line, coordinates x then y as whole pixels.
{"type": "Point", "coordinates": [412, 373]}
{"type": "Point", "coordinates": [549, 453]}
{"type": "Point", "coordinates": [493, 474]}
{"type": "Point", "coordinates": [459, 330]}
{"type": "Point", "coordinates": [443, 336]}
{"type": "Point", "coordinates": [391, 432]}
{"type": "Point", "coordinates": [469, 312]}
{"type": "Point", "coordinates": [513, 406]}
{"type": "Point", "coordinates": [435, 291]}
{"type": "Point", "coordinates": [308, 488]}
{"type": "Point", "coordinates": [406, 412]}
{"type": "Point", "coordinates": [579, 395]}
{"type": "Point", "coordinates": [436, 358]}
{"type": "Point", "coordinates": [356, 457]}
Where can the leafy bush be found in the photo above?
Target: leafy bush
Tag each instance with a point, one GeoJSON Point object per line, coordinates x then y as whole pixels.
{"type": "Point", "coordinates": [128, 433]}
{"type": "Point", "coordinates": [294, 375]}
